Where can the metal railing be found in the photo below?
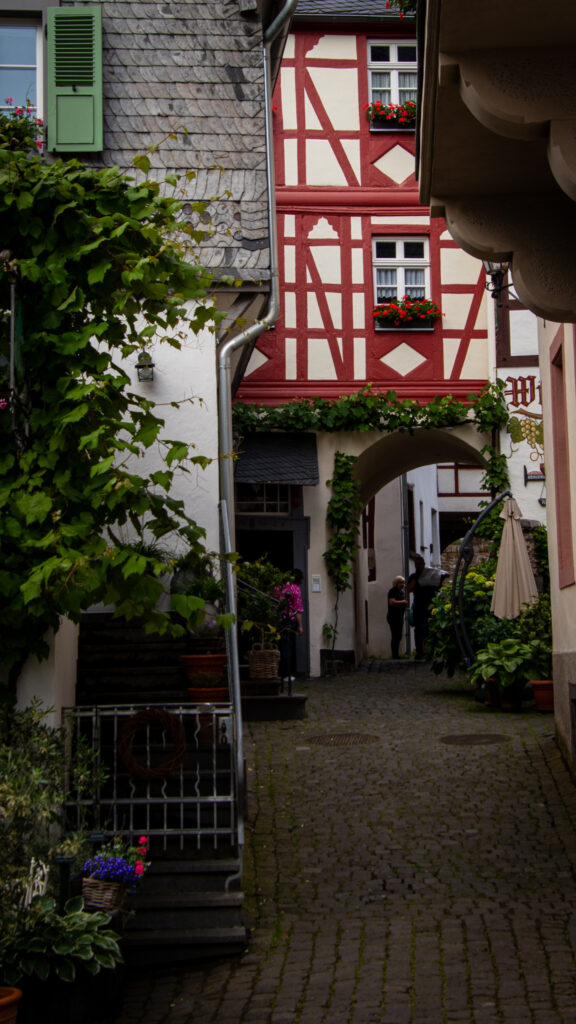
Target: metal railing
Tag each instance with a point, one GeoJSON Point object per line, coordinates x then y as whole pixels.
{"type": "Point", "coordinates": [465, 556]}
{"type": "Point", "coordinates": [167, 771]}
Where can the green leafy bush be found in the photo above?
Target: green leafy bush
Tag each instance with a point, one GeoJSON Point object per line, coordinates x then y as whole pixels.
{"type": "Point", "coordinates": [510, 663]}
{"type": "Point", "coordinates": [259, 613]}
{"type": "Point", "coordinates": [43, 943]}
{"type": "Point", "coordinates": [97, 265]}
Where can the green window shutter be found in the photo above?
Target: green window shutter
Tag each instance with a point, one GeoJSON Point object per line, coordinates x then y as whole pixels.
{"type": "Point", "coordinates": [74, 107]}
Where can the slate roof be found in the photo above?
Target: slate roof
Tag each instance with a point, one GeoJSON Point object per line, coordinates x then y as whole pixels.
{"type": "Point", "coordinates": [193, 66]}
{"type": "Point", "coordinates": [345, 10]}
{"type": "Point", "coordinates": [277, 458]}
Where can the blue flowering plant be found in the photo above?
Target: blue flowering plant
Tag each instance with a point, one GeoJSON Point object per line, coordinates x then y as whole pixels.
{"type": "Point", "coordinates": [119, 862]}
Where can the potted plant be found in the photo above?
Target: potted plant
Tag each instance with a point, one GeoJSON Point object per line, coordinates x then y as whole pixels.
{"type": "Point", "coordinates": [260, 615]}
{"type": "Point", "coordinates": [40, 771]}
{"type": "Point", "coordinates": [406, 313]}
{"type": "Point", "coordinates": [116, 867]}
{"type": "Point", "coordinates": [392, 116]}
{"type": "Point", "coordinates": [53, 957]}
{"type": "Point", "coordinates": [510, 663]}
{"type": "Point", "coordinates": [10, 996]}
{"type": "Point", "coordinates": [205, 658]}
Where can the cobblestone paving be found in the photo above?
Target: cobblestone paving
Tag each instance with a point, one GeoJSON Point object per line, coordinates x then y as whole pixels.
{"type": "Point", "coordinates": [422, 874]}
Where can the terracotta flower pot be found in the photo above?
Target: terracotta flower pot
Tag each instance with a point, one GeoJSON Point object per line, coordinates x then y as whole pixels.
{"type": "Point", "coordinates": [9, 999]}
{"type": "Point", "coordinates": [543, 690]}
{"type": "Point", "coordinates": [204, 665]}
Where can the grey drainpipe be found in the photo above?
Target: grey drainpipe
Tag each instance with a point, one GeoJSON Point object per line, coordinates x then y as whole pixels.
{"type": "Point", "coordinates": [251, 334]}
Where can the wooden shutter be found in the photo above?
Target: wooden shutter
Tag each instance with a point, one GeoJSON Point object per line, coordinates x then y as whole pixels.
{"type": "Point", "coordinates": [74, 107]}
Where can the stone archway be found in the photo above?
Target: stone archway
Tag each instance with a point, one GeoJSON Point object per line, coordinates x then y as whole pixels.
{"type": "Point", "coordinates": [391, 455]}
{"type": "Point", "coordinates": [381, 459]}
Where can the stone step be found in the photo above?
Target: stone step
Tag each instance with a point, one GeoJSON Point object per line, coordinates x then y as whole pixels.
{"type": "Point", "coordinates": [160, 946]}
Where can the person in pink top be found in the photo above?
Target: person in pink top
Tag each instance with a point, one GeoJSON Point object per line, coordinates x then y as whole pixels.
{"type": "Point", "coordinates": [291, 597]}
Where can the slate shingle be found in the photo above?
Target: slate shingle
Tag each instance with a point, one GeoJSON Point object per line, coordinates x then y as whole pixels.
{"type": "Point", "coordinates": [194, 65]}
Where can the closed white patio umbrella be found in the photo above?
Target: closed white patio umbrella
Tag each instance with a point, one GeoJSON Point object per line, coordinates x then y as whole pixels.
{"type": "Point", "coordinates": [514, 586]}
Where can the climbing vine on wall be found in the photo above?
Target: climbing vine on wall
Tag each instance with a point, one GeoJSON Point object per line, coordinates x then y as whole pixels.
{"type": "Point", "coordinates": [367, 410]}
{"type": "Point", "coordinates": [343, 517]}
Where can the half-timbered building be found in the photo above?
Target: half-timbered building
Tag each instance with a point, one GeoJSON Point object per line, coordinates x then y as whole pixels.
{"type": "Point", "coordinates": [352, 234]}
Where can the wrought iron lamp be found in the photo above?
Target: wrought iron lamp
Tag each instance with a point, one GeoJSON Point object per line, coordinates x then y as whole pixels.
{"type": "Point", "coordinates": [495, 274]}
{"type": "Point", "coordinates": [145, 366]}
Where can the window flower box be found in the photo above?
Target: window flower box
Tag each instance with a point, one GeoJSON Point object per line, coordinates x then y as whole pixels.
{"type": "Point", "coordinates": [406, 314]}
{"type": "Point", "coordinates": [406, 325]}
{"type": "Point", "coordinates": [394, 117]}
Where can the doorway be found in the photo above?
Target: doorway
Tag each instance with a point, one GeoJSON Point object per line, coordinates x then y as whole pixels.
{"type": "Point", "coordinates": [285, 543]}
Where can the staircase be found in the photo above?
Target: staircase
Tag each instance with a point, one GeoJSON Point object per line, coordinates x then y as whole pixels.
{"type": "Point", "coordinates": [185, 912]}
{"type": "Point", "coordinates": [119, 662]}
{"type": "Point", "coordinates": [190, 902]}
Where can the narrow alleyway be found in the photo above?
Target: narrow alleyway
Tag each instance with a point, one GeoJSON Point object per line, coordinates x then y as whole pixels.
{"type": "Point", "coordinates": [411, 860]}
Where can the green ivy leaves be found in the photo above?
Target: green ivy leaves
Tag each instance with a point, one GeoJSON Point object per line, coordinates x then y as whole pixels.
{"type": "Point", "coordinates": [99, 264]}
{"type": "Point", "coordinates": [366, 410]}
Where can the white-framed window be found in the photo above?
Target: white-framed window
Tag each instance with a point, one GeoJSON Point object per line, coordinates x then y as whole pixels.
{"type": "Point", "coordinates": [21, 65]}
{"type": "Point", "coordinates": [401, 267]}
{"type": "Point", "coordinates": [392, 71]}
{"type": "Point", "coordinates": [270, 498]}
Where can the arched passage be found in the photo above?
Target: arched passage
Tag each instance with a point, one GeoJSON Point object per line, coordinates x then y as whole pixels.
{"type": "Point", "coordinates": [392, 455]}
{"type": "Point", "coordinates": [381, 460]}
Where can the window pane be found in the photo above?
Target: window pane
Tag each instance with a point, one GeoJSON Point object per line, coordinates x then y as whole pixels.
{"type": "Point", "coordinates": [386, 287]}
{"type": "Point", "coordinates": [414, 250]}
{"type": "Point", "coordinates": [407, 53]}
{"type": "Point", "coordinates": [385, 250]}
{"type": "Point", "coordinates": [415, 284]}
{"type": "Point", "coordinates": [381, 53]}
{"type": "Point", "coordinates": [19, 85]}
{"type": "Point", "coordinates": [17, 45]}
{"type": "Point", "coordinates": [407, 86]}
{"type": "Point", "coordinates": [17, 65]}
{"type": "Point", "coordinates": [381, 87]}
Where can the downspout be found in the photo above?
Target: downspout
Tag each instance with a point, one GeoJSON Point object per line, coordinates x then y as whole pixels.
{"type": "Point", "coordinates": [225, 441]}
{"type": "Point", "coordinates": [251, 334]}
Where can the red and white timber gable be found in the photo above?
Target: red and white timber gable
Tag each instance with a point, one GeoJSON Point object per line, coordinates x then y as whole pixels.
{"type": "Point", "coordinates": [343, 189]}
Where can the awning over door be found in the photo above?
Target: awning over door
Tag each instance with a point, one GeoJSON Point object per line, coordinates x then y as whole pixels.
{"type": "Point", "coordinates": [277, 458]}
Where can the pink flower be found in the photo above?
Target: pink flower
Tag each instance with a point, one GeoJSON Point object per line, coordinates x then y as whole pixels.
{"type": "Point", "coordinates": [139, 868]}
{"type": "Point", "coordinates": [143, 839]}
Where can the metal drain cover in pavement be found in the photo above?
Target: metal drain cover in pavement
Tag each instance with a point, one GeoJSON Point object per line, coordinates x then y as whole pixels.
{"type": "Point", "coordinates": [343, 739]}
{"type": "Point", "coordinates": [474, 739]}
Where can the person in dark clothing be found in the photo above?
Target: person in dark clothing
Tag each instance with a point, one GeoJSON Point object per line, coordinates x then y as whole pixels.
{"type": "Point", "coordinates": [397, 603]}
{"type": "Point", "coordinates": [424, 583]}
{"type": "Point", "coordinates": [291, 597]}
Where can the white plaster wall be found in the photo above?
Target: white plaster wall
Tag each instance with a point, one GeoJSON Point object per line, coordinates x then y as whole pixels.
{"type": "Point", "coordinates": [321, 604]}
{"type": "Point", "coordinates": [389, 563]}
{"type": "Point", "coordinates": [53, 680]}
{"type": "Point", "coordinates": [563, 600]}
{"type": "Point", "coordinates": [522, 456]}
{"type": "Point", "coordinates": [187, 377]}
{"type": "Point", "coordinates": [457, 267]}
{"type": "Point", "coordinates": [424, 484]}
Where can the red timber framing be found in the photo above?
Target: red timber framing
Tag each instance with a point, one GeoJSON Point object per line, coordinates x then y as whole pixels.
{"type": "Point", "coordinates": [339, 186]}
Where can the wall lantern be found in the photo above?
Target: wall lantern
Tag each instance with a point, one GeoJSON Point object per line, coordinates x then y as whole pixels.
{"type": "Point", "coordinates": [145, 366]}
{"type": "Point", "coordinates": [495, 273]}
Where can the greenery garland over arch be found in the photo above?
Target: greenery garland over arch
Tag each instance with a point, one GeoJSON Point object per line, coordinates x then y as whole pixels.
{"type": "Point", "coordinates": [367, 410]}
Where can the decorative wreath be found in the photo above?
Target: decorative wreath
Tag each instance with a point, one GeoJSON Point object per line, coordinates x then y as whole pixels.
{"type": "Point", "coordinates": [169, 723]}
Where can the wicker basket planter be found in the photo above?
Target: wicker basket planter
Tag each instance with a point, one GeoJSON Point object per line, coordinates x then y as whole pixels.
{"type": "Point", "coordinates": [101, 895]}
{"type": "Point", "coordinates": [263, 662]}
